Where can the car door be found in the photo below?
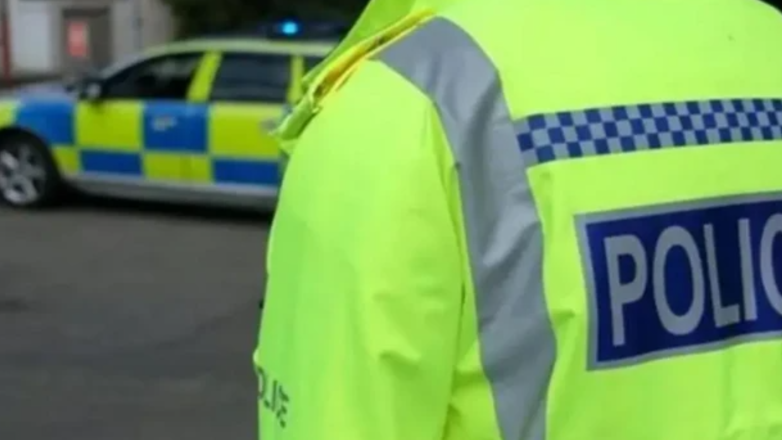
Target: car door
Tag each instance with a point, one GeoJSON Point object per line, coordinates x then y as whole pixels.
{"type": "Point", "coordinates": [247, 99]}
{"type": "Point", "coordinates": [142, 127]}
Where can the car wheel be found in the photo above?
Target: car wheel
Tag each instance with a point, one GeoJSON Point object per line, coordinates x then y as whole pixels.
{"type": "Point", "coordinates": [28, 175]}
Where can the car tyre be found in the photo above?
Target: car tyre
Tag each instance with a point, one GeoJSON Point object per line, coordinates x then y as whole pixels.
{"type": "Point", "coordinates": [29, 178]}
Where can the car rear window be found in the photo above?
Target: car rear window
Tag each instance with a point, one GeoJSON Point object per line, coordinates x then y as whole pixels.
{"type": "Point", "coordinates": [252, 77]}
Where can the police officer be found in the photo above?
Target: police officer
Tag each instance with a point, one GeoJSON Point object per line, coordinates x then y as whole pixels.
{"type": "Point", "coordinates": [532, 220]}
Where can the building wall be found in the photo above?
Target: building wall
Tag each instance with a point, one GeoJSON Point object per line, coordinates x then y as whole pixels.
{"type": "Point", "coordinates": [157, 22]}
{"type": "Point", "coordinates": [37, 29]}
{"type": "Point", "coordinates": [32, 33]}
{"type": "Point", "coordinates": [125, 23]}
{"type": "Point", "coordinates": [140, 24]}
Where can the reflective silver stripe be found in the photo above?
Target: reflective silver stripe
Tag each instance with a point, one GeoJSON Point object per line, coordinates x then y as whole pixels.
{"type": "Point", "coordinates": [503, 228]}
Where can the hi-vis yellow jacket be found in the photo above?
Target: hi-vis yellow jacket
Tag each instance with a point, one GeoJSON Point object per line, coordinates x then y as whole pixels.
{"type": "Point", "coordinates": [532, 220]}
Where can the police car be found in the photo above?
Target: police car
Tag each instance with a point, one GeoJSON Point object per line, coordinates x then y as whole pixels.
{"type": "Point", "coordinates": [185, 122]}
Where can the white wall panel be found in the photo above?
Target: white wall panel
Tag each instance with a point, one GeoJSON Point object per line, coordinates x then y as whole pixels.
{"type": "Point", "coordinates": [32, 38]}
{"type": "Point", "coordinates": [125, 28]}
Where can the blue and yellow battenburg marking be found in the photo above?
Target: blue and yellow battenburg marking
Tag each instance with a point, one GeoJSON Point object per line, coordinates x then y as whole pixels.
{"type": "Point", "coordinates": [177, 142]}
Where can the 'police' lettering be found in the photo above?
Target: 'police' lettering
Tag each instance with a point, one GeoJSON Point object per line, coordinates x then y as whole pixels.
{"type": "Point", "coordinates": [683, 278]}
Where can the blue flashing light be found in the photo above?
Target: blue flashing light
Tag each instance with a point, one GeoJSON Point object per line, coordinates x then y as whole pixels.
{"type": "Point", "coordinates": [290, 28]}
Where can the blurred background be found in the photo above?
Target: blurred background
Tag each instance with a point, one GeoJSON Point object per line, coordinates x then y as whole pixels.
{"type": "Point", "coordinates": [125, 318]}
{"type": "Point", "coordinates": [43, 38]}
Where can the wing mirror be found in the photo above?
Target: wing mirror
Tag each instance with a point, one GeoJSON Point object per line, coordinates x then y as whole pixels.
{"type": "Point", "coordinates": [91, 89]}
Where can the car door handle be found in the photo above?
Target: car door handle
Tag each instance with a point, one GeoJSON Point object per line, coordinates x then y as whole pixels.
{"type": "Point", "coordinates": [163, 123]}
{"type": "Point", "coordinates": [269, 125]}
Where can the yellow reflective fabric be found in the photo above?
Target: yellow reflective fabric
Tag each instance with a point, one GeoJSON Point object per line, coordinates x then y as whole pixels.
{"type": "Point", "coordinates": [596, 55]}
{"type": "Point", "coordinates": [732, 393]}
{"type": "Point", "coordinates": [365, 283]}
{"type": "Point", "coordinates": [376, 17]}
{"type": "Point", "coordinates": [389, 313]}
{"type": "Point", "coordinates": [321, 82]}
{"type": "Point", "coordinates": [379, 19]}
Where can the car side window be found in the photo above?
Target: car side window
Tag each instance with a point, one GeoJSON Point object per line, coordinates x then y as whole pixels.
{"type": "Point", "coordinates": [246, 77]}
{"type": "Point", "coordinates": [166, 77]}
{"type": "Point", "coordinates": [310, 62]}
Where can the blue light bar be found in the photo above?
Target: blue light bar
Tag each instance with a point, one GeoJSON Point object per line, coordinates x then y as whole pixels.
{"type": "Point", "coordinates": [289, 28]}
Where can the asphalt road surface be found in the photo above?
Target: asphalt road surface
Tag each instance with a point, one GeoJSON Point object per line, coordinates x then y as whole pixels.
{"type": "Point", "coordinates": [121, 321]}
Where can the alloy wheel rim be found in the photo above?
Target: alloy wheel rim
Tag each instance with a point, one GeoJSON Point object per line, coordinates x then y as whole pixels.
{"type": "Point", "coordinates": [22, 174]}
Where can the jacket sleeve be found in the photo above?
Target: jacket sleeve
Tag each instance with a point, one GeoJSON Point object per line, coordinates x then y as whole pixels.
{"type": "Point", "coordinates": [363, 302]}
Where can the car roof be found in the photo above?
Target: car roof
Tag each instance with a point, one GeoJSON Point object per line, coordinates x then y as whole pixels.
{"type": "Point", "coordinates": [254, 45]}
{"type": "Point", "coordinates": [319, 49]}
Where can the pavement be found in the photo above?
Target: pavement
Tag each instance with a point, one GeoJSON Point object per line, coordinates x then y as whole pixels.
{"type": "Point", "coordinates": [123, 321]}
